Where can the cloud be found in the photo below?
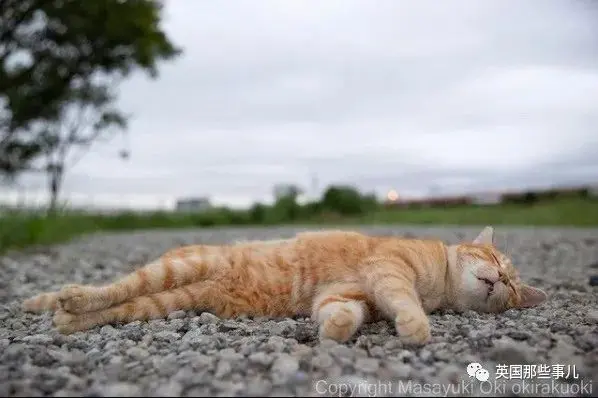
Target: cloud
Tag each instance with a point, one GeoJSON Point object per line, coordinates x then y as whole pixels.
{"type": "Point", "coordinates": [462, 95]}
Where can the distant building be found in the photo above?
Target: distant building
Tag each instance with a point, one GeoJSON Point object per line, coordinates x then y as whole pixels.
{"type": "Point", "coordinates": [193, 204]}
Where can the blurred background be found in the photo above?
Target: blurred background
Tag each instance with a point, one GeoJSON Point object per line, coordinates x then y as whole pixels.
{"type": "Point", "coordinates": [143, 114]}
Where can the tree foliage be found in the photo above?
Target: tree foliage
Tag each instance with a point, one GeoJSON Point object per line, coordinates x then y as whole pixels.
{"type": "Point", "coordinates": [346, 200]}
{"type": "Point", "coordinates": [60, 61]}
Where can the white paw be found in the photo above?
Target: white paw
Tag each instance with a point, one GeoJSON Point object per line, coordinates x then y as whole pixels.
{"type": "Point", "coordinates": [414, 332]}
{"type": "Point", "coordinates": [339, 326]}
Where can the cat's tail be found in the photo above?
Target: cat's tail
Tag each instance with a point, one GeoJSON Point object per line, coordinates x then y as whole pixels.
{"type": "Point", "coordinates": [41, 303]}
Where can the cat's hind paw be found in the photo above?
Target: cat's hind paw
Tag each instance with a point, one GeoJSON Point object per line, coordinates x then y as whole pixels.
{"type": "Point", "coordinates": [40, 303]}
{"type": "Point", "coordinates": [67, 323]}
{"type": "Point", "coordinates": [78, 299]}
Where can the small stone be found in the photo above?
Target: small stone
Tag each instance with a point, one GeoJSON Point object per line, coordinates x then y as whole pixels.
{"type": "Point", "coordinates": [67, 357]}
{"type": "Point", "coordinates": [137, 353]}
{"type": "Point", "coordinates": [176, 324]}
{"type": "Point", "coordinates": [227, 326]}
{"type": "Point", "coordinates": [343, 353]}
{"type": "Point", "coordinates": [224, 368]}
{"type": "Point", "coordinates": [367, 365]}
{"type": "Point", "coordinates": [258, 387]}
{"type": "Point", "coordinates": [207, 318]}
{"type": "Point", "coordinates": [322, 361]}
{"type": "Point", "coordinates": [443, 355]}
{"type": "Point", "coordinates": [594, 280]}
{"type": "Point", "coordinates": [377, 352]}
{"type": "Point", "coordinates": [275, 343]}
{"type": "Point", "coordinates": [519, 335]}
{"type": "Point", "coordinates": [393, 345]}
{"type": "Point", "coordinates": [592, 316]}
{"type": "Point", "coordinates": [288, 327]}
{"type": "Point", "coordinates": [261, 358]}
{"type": "Point", "coordinates": [38, 339]}
{"type": "Point", "coordinates": [171, 389]}
{"type": "Point", "coordinates": [167, 336]}
{"type": "Point", "coordinates": [108, 331]}
{"type": "Point", "coordinates": [122, 390]}
{"type": "Point", "coordinates": [425, 355]}
{"type": "Point", "coordinates": [399, 369]}
{"type": "Point", "coordinates": [283, 368]}
{"type": "Point", "coordinates": [509, 351]}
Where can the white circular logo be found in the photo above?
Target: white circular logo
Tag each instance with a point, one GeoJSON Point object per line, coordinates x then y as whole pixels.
{"type": "Point", "coordinates": [472, 368]}
{"type": "Point", "coordinates": [482, 375]}
{"type": "Point", "coordinates": [476, 370]}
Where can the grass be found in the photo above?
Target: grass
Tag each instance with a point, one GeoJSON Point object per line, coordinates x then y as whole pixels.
{"type": "Point", "coordinates": [570, 212]}
{"type": "Point", "coordinates": [20, 230]}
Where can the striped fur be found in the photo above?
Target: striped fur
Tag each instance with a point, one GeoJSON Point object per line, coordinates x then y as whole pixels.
{"type": "Point", "coordinates": [341, 279]}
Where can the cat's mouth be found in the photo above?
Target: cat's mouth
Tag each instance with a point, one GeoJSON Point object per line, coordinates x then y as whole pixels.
{"type": "Point", "coordinates": [489, 285]}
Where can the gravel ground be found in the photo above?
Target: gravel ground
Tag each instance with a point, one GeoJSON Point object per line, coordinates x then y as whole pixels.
{"type": "Point", "coordinates": [194, 354]}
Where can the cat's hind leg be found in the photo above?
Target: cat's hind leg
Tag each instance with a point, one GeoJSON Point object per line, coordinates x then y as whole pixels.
{"type": "Point", "coordinates": [175, 268]}
{"type": "Point", "coordinates": [340, 310]}
{"type": "Point", "coordinates": [212, 296]}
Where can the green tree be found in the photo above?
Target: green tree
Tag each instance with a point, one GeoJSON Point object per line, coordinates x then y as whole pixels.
{"type": "Point", "coordinates": [286, 207]}
{"type": "Point", "coordinates": [60, 62]}
{"type": "Point", "coordinates": [345, 200]}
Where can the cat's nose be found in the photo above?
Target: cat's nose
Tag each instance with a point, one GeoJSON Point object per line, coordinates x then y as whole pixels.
{"type": "Point", "coordinates": [489, 283]}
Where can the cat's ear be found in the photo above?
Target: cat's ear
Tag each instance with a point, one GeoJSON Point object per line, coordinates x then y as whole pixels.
{"type": "Point", "coordinates": [486, 237]}
{"type": "Point", "coordinates": [531, 296]}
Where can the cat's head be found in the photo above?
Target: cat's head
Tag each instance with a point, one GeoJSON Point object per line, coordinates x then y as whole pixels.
{"type": "Point", "coordinates": [485, 280]}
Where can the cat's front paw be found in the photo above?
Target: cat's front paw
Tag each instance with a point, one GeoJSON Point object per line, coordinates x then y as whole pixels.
{"type": "Point", "coordinates": [413, 330]}
{"type": "Point", "coordinates": [340, 326]}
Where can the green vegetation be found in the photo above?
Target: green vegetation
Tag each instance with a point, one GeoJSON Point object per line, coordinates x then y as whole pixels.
{"type": "Point", "coordinates": [60, 66]}
{"type": "Point", "coordinates": [338, 206]}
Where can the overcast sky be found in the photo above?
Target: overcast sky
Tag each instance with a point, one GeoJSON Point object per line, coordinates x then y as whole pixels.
{"type": "Point", "coordinates": [410, 95]}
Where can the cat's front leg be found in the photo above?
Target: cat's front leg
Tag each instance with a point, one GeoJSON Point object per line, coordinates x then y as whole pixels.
{"type": "Point", "coordinates": [340, 310]}
{"type": "Point", "coordinates": [393, 288]}
{"type": "Point", "coordinates": [412, 324]}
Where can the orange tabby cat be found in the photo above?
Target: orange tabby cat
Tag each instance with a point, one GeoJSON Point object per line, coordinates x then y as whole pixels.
{"type": "Point", "coordinates": [340, 279]}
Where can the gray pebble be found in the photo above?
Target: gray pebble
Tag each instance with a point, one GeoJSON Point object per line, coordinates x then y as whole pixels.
{"type": "Point", "coordinates": [167, 336]}
{"type": "Point", "coordinates": [367, 365]}
{"type": "Point", "coordinates": [207, 317]}
{"type": "Point", "coordinates": [261, 358]}
{"type": "Point", "coordinates": [138, 353]}
{"type": "Point", "coordinates": [38, 339]}
{"type": "Point", "coordinates": [510, 352]}
{"type": "Point", "coordinates": [177, 315]}
{"type": "Point", "coordinates": [283, 368]}
{"type": "Point", "coordinates": [108, 331]}
{"type": "Point", "coordinates": [122, 390]}
{"type": "Point", "coordinates": [399, 370]}
{"type": "Point", "coordinates": [592, 316]}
